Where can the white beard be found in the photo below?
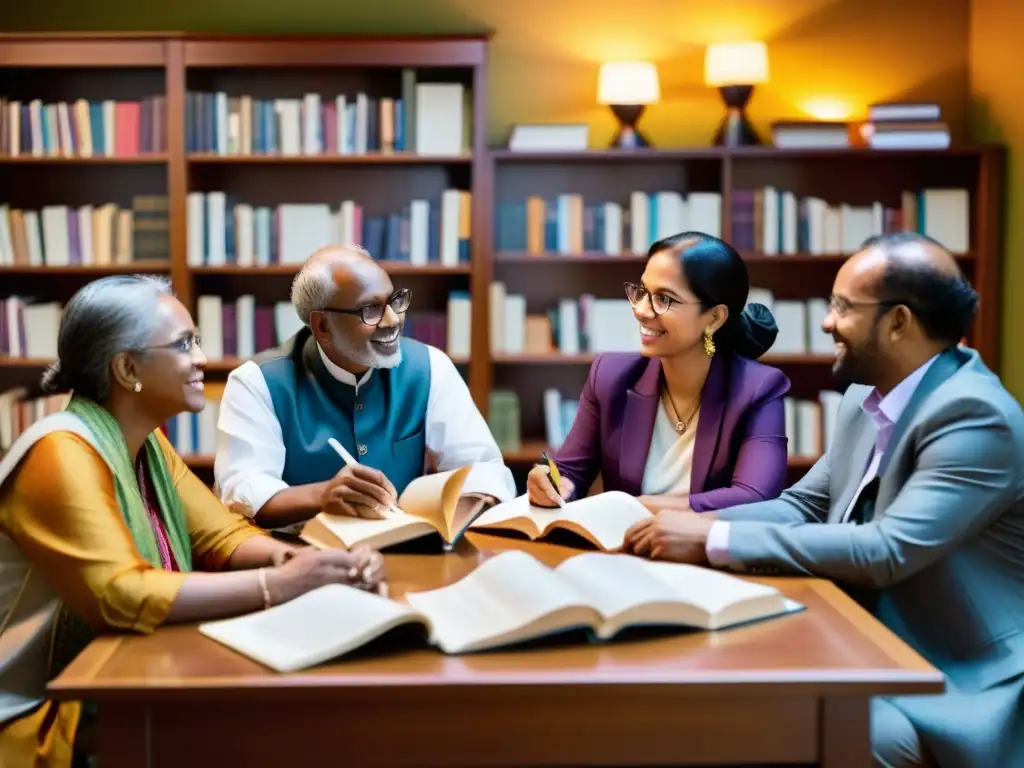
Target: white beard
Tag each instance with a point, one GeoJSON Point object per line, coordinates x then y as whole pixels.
{"type": "Point", "coordinates": [365, 354]}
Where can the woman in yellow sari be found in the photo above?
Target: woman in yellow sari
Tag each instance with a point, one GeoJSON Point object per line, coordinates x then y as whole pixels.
{"type": "Point", "coordinates": [103, 527]}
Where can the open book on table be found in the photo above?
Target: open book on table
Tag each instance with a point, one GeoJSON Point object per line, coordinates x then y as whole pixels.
{"type": "Point", "coordinates": [427, 506]}
{"type": "Point", "coordinates": [602, 519]}
{"type": "Point", "coordinates": [508, 599]}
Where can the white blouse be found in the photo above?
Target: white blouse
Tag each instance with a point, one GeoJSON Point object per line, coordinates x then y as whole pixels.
{"type": "Point", "coordinates": [670, 458]}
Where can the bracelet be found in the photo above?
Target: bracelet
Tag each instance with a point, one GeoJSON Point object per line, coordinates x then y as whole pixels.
{"type": "Point", "coordinates": [262, 576]}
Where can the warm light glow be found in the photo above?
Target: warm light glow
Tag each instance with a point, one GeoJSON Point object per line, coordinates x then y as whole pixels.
{"type": "Point", "coordinates": [827, 109]}
{"type": "Point", "coordinates": [628, 82]}
{"type": "Point", "coordinates": [736, 64]}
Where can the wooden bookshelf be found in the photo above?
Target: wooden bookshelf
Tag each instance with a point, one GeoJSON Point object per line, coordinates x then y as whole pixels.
{"type": "Point", "coordinates": [855, 177]}
{"type": "Point", "coordinates": [132, 66]}
{"type": "Point", "coordinates": [57, 68]}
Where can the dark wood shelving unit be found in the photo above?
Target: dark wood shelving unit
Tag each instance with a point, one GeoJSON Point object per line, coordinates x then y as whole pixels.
{"type": "Point", "coordinates": [125, 65]}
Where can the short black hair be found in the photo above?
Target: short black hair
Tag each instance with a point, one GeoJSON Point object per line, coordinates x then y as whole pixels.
{"type": "Point", "coordinates": [945, 304]}
{"type": "Point", "coordinates": [717, 274]}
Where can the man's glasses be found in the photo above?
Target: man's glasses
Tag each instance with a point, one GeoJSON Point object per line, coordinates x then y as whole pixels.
{"type": "Point", "coordinates": [372, 314]}
{"type": "Point", "coordinates": [840, 305]}
{"type": "Point", "coordinates": [660, 302]}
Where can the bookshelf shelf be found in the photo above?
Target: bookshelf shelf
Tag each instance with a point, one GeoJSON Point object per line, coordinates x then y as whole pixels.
{"type": "Point", "coordinates": [147, 159]}
{"type": "Point", "coordinates": [289, 270]}
{"type": "Point", "coordinates": [555, 358]}
{"type": "Point", "coordinates": [92, 272]}
{"type": "Point", "coordinates": [168, 75]}
{"type": "Point", "coordinates": [399, 158]}
{"type": "Point", "coordinates": [598, 257]}
{"type": "Point", "coordinates": [24, 362]}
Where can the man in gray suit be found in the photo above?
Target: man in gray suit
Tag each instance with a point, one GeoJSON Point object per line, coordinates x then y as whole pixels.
{"type": "Point", "coordinates": [917, 508]}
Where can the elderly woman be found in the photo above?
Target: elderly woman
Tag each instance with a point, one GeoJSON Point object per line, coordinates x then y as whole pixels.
{"type": "Point", "coordinates": [103, 527]}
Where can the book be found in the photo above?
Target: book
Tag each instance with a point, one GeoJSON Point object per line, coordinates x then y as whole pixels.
{"type": "Point", "coordinates": [601, 519]}
{"type": "Point", "coordinates": [508, 599]}
{"type": "Point", "coordinates": [427, 506]}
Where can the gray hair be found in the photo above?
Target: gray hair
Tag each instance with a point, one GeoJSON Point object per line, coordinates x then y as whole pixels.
{"type": "Point", "coordinates": [314, 286]}
{"type": "Point", "coordinates": [107, 316]}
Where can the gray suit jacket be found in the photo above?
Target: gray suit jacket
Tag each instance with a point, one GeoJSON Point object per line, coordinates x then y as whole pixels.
{"type": "Point", "coordinates": [941, 563]}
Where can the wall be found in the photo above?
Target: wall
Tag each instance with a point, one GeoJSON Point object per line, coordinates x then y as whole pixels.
{"type": "Point", "coordinates": [997, 114]}
{"type": "Point", "coordinates": [825, 57]}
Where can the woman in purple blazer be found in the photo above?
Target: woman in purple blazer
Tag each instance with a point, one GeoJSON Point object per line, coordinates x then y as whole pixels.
{"type": "Point", "coordinates": [692, 422]}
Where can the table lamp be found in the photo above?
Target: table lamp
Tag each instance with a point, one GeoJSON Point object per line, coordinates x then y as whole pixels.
{"type": "Point", "coordinates": [734, 68]}
{"type": "Point", "coordinates": [627, 87]}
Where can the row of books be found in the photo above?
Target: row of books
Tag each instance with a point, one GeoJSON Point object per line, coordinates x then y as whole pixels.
{"type": "Point", "coordinates": [221, 231]}
{"type": "Point", "coordinates": [767, 220]}
{"type": "Point", "coordinates": [575, 325]}
{"type": "Point", "coordinates": [567, 224]}
{"type": "Point", "coordinates": [240, 329]}
{"type": "Point", "coordinates": [586, 324]}
{"type": "Point", "coordinates": [18, 413]}
{"type": "Point", "coordinates": [427, 119]}
{"type": "Point", "coordinates": [195, 434]}
{"type": "Point", "coordinates": [61, 235]}
{"type": "Point", "coordinates": [82, 128]}
{"type": "Point", "coordinates": [776, 221]}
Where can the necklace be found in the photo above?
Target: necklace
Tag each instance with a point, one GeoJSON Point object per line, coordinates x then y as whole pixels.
{"type": "Point", "coordinates": [681, 426]}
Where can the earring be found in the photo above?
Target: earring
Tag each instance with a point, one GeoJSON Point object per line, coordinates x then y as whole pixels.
{"type": "Point", "coordinates": [709, 345]}
{"type": "Point", "coordinates": [138, 386]}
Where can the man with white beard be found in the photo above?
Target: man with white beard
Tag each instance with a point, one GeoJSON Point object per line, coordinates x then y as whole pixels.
{"type": "Point", "coordinates": [392, 402]}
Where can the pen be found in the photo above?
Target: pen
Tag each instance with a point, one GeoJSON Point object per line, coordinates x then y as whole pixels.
{"type": "Point", "coordinates": [350, 460]}
{"type": "Point", "coordinates": [556, 479]}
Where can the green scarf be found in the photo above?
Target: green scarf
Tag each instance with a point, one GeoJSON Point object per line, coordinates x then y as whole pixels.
{"type": "Point", "coordinates": [110, 440]}
{"type": "Point", "coordinates": [71, 634]}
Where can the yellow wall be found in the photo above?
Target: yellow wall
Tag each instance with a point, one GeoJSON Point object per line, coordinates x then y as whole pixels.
{"type": "Point", "coordinates": [546, 52]}
{"type": "Point", "coordinates": [997, 114]}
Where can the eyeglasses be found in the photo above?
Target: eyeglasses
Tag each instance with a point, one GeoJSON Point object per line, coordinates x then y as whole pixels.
{"type": "Point", "coordinates": [660, 302]}
{"type": "Point", "coordinates": [840, 305]}
{"type": "Point", "coordinates": [372, 314]}
{"type": "Point", "coordinates": [184, 345]}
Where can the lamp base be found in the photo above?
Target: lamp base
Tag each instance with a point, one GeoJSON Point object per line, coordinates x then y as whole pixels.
{"type": "Point", "coordinates": [735, 129]}
{"type": "Point", "coordinates": [628, 137]}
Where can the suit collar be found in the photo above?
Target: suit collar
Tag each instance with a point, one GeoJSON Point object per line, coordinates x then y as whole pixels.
{"type": "Point", "coordinates": [709, 425]}
{"type": "Point", "coordinates": [638, 426]}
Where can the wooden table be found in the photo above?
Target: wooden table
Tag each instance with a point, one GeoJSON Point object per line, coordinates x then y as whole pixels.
{"type": "Point", "coordinates": [792, 690]}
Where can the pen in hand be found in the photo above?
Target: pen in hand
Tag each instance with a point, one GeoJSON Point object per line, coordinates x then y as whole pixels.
{"type": "Point", "coordinates": [350, 460]}
{"type": "Point", "coordinates": [554, 477]}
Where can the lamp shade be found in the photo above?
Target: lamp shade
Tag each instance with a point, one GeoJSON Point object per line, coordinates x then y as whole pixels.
{"type": "Point", "coordinates": [735, 64]}
{"type": "Point", "coordinates": [628, 82]}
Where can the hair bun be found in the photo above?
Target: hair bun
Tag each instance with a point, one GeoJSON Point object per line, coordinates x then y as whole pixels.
{"type": "Point", "coordinates": [757, 331]}
{"type": "Point", "coordinates": [54, 381]}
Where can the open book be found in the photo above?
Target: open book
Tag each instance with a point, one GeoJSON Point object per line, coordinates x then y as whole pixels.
{"type": "Point", "coordinates": [602, 519]}
{"type": "Point", "coordinates": [510, 598]}
{"type": "Point", "coordinates": [427, 506]}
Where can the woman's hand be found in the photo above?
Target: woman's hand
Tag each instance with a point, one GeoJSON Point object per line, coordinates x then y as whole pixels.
{"type": "Point", "coordinates": [311, 568]}
{"type": "Point", "coordinates": [541, 490]}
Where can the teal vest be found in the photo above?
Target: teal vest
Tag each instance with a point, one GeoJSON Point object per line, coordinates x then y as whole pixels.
{"type": "Point", "coordinates": [382, 426]}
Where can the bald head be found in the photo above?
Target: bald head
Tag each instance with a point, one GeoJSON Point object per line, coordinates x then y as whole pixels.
{"type": "Point", "coordinates": [343, 272]}
{"type": "Point", "coordinates": [914, 270]}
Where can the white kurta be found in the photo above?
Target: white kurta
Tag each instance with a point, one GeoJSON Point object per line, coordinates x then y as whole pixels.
{"type": "Point", "coordinates": [251, 452]}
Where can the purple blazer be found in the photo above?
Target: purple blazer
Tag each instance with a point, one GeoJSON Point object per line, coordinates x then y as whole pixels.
{"type": "Point", "coordinates": [739, 455]}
